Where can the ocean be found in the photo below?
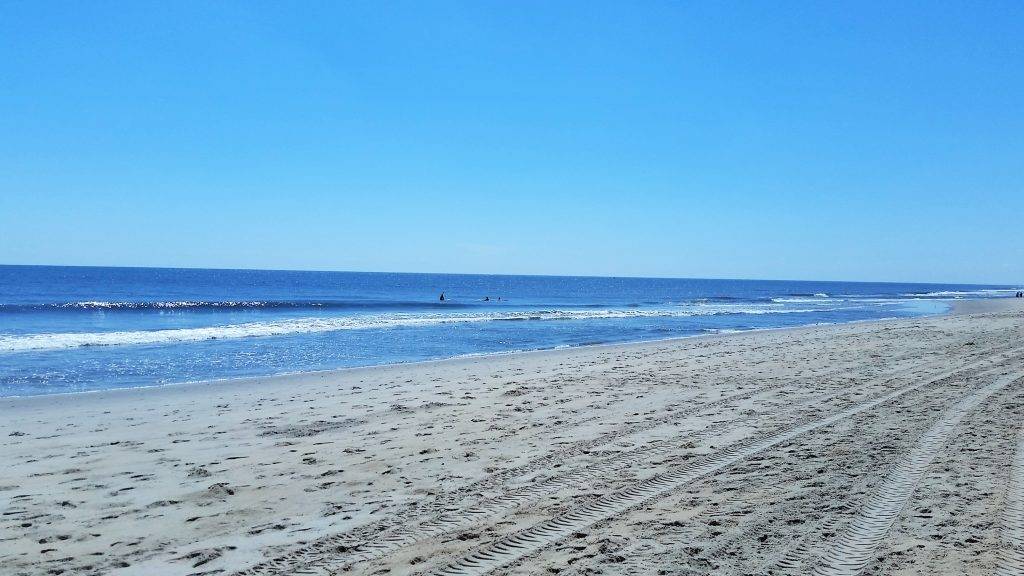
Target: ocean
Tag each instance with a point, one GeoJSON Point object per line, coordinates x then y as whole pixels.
{"type": "Point", "coordinates": [72, 329]}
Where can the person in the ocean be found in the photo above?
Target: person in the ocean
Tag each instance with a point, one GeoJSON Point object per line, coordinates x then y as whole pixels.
{"type": "Point", "coordinates": [487, 298]}
{"type": "Point", "coordinates": [442, 297]}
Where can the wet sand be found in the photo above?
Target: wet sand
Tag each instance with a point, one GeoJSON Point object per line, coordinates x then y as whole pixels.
{"type": "Point", "coordinates": [889, 447]}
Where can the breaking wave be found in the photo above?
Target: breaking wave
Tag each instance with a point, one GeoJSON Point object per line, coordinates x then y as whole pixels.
{"type": "Point", "coordinates": [66, 340]}
{"type": "Point", "coordinates": [985, 293]}
{"type": "Point", "coordinates": [228, 304]}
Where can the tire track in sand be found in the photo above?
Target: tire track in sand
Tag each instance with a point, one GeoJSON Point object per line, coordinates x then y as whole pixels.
{"type": "Point", "coordinates": [358, 546]}
{"type": "Point", "coordinates": [859, 541]}
{"type": "Point", "coordinates": [1011, 551]}
{"type": "Point", "coordinates": [338, 552]}
{"type": "Point", "coordinates": [526, 542]}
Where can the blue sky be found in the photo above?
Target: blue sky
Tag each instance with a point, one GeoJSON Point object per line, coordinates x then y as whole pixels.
{"type": "Point", "coordinates": [856, 141]}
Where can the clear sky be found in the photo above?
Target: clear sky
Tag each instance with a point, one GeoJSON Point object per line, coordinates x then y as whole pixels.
{"type": "Point", "coordinates": [815, 140]}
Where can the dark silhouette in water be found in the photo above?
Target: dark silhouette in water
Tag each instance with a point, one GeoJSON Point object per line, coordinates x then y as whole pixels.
{"type": "Point", "coordinates": [442, 297]}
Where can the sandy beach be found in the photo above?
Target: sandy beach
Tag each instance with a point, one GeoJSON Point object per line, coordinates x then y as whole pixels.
{"type": "Point", "coordinates": [890, 447]}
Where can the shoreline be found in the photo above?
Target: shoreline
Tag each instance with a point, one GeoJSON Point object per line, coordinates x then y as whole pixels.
{"type": "Point", "coordinates": [953, 307]}
{"type": "Point", "coordinates": [951, 310]}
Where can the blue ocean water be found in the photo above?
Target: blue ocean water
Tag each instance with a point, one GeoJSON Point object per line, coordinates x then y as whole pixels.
{"type": "Point", "coordinates": [68, 329]}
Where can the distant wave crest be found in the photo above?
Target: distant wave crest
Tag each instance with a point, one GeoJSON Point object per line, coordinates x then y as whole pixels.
{"type": "Point", "coordinates": [984, 293]}
{"type": "Point", "coordinates": [186, 304]}
{"type": "Point", "coordinates": [226, 304]}
{"type": "Point", "coordinates": [67, 340]}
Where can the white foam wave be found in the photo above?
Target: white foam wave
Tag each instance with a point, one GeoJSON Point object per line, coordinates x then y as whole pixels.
{"type": "Point", "coordinates": [67, 340]}
{"type": "Point", "coordinates": [824, 301]}
{"type": "Point", "coordinates": [170, 305]}
{"type": "Point", "coordinates": [104, 305]}
{"type": "Point", "coordinates": [987, 292]}
{"type": "Point", "coordinates": [707, 309]}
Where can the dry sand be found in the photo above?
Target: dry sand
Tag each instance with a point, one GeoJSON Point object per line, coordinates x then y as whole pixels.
{"type": "Point", "coordinates": [882, 448]}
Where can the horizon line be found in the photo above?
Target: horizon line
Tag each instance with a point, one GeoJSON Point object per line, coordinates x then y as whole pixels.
{"type": "Point", "coordinates": [229, 269]}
